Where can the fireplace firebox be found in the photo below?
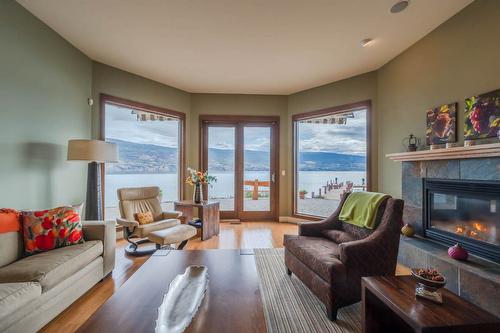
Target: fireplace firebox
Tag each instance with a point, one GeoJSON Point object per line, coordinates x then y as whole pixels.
{"type": "Point", "coordinates": [465, 212]}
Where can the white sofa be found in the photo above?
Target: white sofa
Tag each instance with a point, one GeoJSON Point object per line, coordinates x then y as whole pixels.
{"type": "Point", "coordinates": [35, 289]}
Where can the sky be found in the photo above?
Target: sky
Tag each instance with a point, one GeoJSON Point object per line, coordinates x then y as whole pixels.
{"type": "Point", "coordinates": [343, 139]}
{"type": "Point", "coordinates": [121, 124]}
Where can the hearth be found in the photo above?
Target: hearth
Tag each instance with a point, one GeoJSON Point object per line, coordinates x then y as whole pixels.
{"type": "Point", "coordinates": [465, 212]}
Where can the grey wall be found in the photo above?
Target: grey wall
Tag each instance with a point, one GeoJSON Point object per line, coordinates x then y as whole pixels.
{"type": "Point", "coordinates": [44, 86]}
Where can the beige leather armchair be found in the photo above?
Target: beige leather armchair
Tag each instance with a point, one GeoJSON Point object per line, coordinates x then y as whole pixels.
{"type": "Point", "coordinates": [142, 199]}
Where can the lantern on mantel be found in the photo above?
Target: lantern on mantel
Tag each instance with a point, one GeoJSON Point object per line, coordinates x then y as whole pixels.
{"type": "Point", "coordinates": [411, 142]}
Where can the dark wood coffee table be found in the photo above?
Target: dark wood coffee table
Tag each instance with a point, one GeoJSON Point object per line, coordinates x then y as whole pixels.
{"type": "Point", "coordinates": [232, 302]}
{"type": "Point", "coordinates": [208, 212]}
{"type": "Point", "coordinates": [389, 305]}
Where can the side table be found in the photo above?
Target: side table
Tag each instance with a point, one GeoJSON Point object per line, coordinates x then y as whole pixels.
{"type": "Point", "coordinates": [389, 305]}
{"type": "Point", "coordinates": [208, 212]}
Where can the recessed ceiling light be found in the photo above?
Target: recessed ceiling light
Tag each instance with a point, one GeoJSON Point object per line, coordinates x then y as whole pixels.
{"type": "Point", "coordinates": [367, 42]}
{"type": "Point", "coordinates": [399, 6]}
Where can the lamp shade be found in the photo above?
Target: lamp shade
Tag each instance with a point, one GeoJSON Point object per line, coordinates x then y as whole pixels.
{"type": "Point", "coordinates": [92, 150]}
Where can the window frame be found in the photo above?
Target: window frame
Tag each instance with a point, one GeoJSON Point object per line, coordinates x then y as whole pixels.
{"type": "Point", "coordinates": [296, 118]}
{"type": "Point", "coordinates": [118, 101]}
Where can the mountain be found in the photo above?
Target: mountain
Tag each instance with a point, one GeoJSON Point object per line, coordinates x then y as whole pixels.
{"type": "Point", "coordinates": [147, 158]}
{"type": "Point", "coordinates": [325, 161]}
{"type": "Point", "coordinates": [143, 158]}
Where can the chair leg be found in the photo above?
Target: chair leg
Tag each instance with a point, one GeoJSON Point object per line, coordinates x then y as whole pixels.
{"type": "Point", "coordinates": [331, 312]}
{"type": "Point", "coordinates": [133, 248]}
{"type": "Point", "coordinates": [182, 244]}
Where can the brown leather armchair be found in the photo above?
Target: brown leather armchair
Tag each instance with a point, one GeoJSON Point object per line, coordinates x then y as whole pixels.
{"type": "Point", "coordinates": [331, 256]}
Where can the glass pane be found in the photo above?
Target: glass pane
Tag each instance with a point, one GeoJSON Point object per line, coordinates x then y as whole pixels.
{"type": "Point", "coordinates": [257, 168]}
{"type": "Point", "coordinates": [221, 163]}
{"type": "Point", "coordinates": [467, 216]}
{"type": "Point", "coordinates": [331, 160]}
{"type": "Point", "coordinates": [148, 146]}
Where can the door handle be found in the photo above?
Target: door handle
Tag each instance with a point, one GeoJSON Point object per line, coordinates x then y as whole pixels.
{"type": "Point", "coordinates": [273, 177]}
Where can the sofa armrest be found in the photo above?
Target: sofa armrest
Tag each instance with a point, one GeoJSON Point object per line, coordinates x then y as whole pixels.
{"type": "Point", "coordinates": [313, 229]}
{"type": "Point", "coordinates": [127, 223]}
{"type": "Point", "coordinates": [105, 232]}
{"type": "Point", "coordinates": [171, 215]}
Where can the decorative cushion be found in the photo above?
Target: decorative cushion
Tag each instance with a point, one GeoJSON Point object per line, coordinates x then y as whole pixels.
{"type": "Point", "coordinates": [338, 236]}
{"type": "Point", "coordinates": [9, 220]}
{"type": "Point", "coordinates": [144, 218]}
{"type": "Point", "coordinates": [50, 229]}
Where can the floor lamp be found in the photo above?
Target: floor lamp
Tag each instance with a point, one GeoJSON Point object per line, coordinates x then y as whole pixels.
{"type": "Point", "coordinates": [95, 152]}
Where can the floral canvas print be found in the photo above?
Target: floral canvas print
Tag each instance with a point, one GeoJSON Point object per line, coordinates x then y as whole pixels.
{"type": "Point", "coordinates": [441, 124]}
{"type": "Point", "coordinates": [482, 116]}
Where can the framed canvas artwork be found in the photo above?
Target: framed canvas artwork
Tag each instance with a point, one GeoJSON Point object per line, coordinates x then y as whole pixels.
{"type": "Point", "coordinates": [482, 116]}
{"type": "Point", "coordinates": [441, 124]}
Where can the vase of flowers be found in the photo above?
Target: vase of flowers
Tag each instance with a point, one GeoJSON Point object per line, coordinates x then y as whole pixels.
{"type": "Point", "coordinates": [197, 178]}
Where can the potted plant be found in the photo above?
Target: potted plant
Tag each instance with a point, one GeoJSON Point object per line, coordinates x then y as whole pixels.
{"type": "Point", "coordinates": [302, 194]}
{"type": "Point", "coordinates": [197, 178]}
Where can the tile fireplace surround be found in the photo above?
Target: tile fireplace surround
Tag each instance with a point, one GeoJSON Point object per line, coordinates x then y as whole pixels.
{"type": "Point", "coordinates": [476, 280]}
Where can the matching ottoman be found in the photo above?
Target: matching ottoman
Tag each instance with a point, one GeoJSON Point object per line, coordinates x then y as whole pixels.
{"type": "Point", "coordinates": [180, 233]}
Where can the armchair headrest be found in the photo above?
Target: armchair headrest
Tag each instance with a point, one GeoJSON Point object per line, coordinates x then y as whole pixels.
{"type": "Point", "coordinates": [138, 193]}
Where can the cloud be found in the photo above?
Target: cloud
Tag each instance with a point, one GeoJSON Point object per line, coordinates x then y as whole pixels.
{"type": "Point", "coordinates": [123, 125]}
{"type": "Point", "coordinates": [346, 139]}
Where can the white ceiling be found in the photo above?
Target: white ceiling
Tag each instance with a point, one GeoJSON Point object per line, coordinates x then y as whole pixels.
{"type": "Point", "coordinates": [242, 46]}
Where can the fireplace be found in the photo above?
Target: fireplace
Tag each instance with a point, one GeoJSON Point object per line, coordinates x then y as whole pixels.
{"type": "Point", "coordinates": [465, 212]}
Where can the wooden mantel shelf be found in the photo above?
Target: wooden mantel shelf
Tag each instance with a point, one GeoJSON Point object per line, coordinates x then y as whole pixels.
{"type": "Point", "coordinates": [478, 151]}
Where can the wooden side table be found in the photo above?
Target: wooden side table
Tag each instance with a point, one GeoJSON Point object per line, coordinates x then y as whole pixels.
{"type": "Point", "coordinates": [208, 212]}
{"type": "Point", "coordinates": [389, 305]}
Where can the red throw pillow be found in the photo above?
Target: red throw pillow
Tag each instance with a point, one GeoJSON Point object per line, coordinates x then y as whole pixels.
{"type": "Point", "coordinates": [50, 229]}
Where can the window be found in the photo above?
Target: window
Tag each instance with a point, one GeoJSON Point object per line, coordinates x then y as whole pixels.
{"type": "Point", "coordinates": [149, 141]}
{"type": "Point", "coordinates": [330, 157]}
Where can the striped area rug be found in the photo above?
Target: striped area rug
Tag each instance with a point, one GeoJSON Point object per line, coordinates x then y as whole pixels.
{"type": "Point", "coordinates": [290, 307]}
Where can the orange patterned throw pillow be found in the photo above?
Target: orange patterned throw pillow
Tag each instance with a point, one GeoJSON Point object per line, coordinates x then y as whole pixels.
{"type": "Point", "coordinates": [9, 220]}
{"type": "Point", "coordinates": [50, 229]}
{"type": "Point", "coordinates": [144, 218]}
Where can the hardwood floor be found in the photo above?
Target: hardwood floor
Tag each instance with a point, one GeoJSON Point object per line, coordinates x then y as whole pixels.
{"type": "Point", "coordinates": [246, 235]}
{"type": "Point", "coordinates": [232, 236]}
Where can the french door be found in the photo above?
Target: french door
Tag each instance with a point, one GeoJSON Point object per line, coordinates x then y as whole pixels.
{"type": "Point", "coordinates": [242, 152]}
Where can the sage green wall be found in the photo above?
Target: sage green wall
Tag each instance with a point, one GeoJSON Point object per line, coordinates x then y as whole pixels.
{"type": "Point", "coordinates": [355, 89]}
{"type": "Point", "coordinates": [253, 105]}
{"type": "Point", "coordinates": [44, 86]}
{"type": "Point", "coordinates": [457, 60]}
